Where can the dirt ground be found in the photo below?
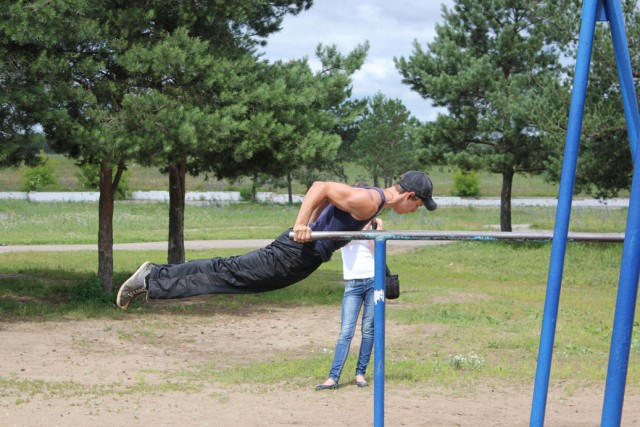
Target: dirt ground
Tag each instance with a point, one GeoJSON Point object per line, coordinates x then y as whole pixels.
{"type": "Point", "coordinates": [88, 373]}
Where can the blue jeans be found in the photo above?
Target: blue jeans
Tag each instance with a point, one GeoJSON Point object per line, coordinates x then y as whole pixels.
{"type": "Point", "coordinates": [357, 293]}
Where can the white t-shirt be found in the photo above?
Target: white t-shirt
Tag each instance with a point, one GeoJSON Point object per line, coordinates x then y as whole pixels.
{"type": "Point", "coordinates": [358, 261]}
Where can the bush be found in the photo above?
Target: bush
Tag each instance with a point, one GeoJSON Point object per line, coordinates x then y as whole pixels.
{"type": "Point", "coordinates": [246, 194]}
{"type": "Point", "coordinates": [466, 184]}
{"type": "Point", "coordinates": [40, 177]}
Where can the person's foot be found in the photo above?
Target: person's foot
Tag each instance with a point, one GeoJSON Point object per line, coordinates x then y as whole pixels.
{"type": "Point", "coordinates": [134, 286]}
{"type": "Point", "coordinates": [329, 384]}
{"type": "Point", "coordinates": [361, 381]}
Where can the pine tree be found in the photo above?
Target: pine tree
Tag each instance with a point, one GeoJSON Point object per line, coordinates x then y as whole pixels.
{"type": "Point", "coordinates": [486, 66]}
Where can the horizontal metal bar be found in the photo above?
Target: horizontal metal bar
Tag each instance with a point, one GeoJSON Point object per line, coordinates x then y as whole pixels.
{"type": "Point", "coordinates": [542, 236]}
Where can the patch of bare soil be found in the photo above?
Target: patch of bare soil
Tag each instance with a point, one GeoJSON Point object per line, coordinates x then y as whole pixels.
{"type": "Point", "coordinates": [88, 373]}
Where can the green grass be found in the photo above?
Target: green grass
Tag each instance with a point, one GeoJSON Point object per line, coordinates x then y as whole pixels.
{"type": "Point", "coordinates": [458, 300]}
{"type": "Point", "coordinates": [471, 311]}
{"type": "Point", "coordinates": [482, 300]}
{"type": "Point", "coordinates": [40, 223]}
{"type": "Point", "coordinates": [145, 179]}
{"type": "Point", "coordinates": [13, 385]}
{"type": "Point", "coordinates": [139, 178]}
{"type": "Point", "coordinates": [30, 223]}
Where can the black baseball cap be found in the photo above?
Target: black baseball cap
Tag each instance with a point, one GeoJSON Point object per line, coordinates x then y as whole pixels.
{"type": "Point", "coordinates": [419, 183]}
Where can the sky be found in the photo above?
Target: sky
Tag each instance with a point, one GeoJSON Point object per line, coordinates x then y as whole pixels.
{"type": "Point", "coordinates": [390, 27]}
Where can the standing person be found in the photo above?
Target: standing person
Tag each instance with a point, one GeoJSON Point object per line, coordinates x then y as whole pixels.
{"type": "Point", "coordinates": [358, 271]}
{"type": "Point", "coordinates": [327, 206]}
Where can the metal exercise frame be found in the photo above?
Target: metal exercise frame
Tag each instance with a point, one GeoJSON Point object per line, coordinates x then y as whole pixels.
{"type": "Point", "coordinates": [592, 11]}
{"type": "Point", "coordinates": [381, 237]}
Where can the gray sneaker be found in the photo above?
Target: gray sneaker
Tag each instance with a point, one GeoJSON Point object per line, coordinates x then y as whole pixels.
{"type": "Point", "coordinates": [134, 286]}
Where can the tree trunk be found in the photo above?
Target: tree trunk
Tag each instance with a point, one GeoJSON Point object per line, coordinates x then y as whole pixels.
{"type": "Point", "coordinates": [176, 214]}
{"type": "Point", "coordinates": [254, 190]}
{"type": "Point", "coordinates": [105, 229]}
{"type": "Point", "coordinates": [505, 200]}
{"type": "Point", "coordinates": [290, 187]}
{"type": "Point", "coordinates": [108, 187]}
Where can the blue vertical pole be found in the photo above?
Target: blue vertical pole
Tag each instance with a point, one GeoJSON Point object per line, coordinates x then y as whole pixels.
{"type": "Point", "coordinates": [625, 310]}
{"type": "Point", "coordinates": [378, 332]}
{"type": "Point", "coordinates": [625, 75]}
{"type": "Point", "coordinates": [563, 213]}
{"type": "Point", "coordinates": [629, 267]}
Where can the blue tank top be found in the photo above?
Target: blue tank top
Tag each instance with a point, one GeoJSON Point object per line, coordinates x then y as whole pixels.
{"type": "Point", "coordinates": [334, 219]}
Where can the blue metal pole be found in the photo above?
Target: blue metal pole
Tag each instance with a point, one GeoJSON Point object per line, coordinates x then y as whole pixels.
{"type": "Point", "coordinates": [563, 213]}
{"type": "Point", "coordinates": [629, 268]}
{"type": "Point", "coordinates": [378, 331]}
{"type": "Point", "coordinates": [625, 75]}
{"type": "Point", "coordinates": [625, 310]}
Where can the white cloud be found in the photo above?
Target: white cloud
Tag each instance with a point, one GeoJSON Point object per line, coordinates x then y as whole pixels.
{"type": "Point", "coordinates": [390, 28]}
{"type": "Point", "coordinates": [375, 69]}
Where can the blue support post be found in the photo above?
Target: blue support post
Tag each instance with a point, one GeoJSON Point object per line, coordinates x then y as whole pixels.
{"type": "Point", "coordinates": [625, 74]}
{"type": "Point", "coordinates": [629, 267]}
{"type": "Point", "coordinates": [625, 310]}
{"type": "Point", "coordinates": [378, 325]}
{"type": "Point", "coordinates": [563, 213]}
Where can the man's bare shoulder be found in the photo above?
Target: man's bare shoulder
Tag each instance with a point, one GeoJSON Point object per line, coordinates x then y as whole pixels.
{"type": "Point", "coordinates": [363, 203]}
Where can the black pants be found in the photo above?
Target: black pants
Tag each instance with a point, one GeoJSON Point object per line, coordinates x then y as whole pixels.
{"type": "Point", "coordinates": [280, 264]}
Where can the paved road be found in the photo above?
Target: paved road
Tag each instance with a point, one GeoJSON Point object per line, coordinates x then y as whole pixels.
{"type": "Point", "coordinates": [191, 244]}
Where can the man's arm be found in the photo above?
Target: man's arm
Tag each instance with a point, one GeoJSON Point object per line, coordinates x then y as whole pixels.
{"type": "Point", "coordinates": [361, 203]}
{"type": "Point", "coordinates": [379, 226]}
{"type": "Point", "coordinates": [317, 211]}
